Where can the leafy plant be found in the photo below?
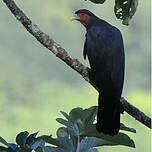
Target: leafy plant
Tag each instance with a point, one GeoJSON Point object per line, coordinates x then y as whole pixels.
{"type": "Point", "coordinates": [24, 143]}
{"type": "Point", "coordinates": [123, 9]}
{"type": "Point", "coordinates": [78, 135]}
{"type": "Point", "coordinates": [97, 1]}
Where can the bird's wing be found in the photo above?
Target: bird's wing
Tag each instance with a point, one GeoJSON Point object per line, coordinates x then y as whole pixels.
{"type": "Point", "coordinates": [106, 55]}
{"type": "Point", "coordinates": [98, 44]}
{"type": "Point", "coordinates": [118, 68]}
{"type": "Point", "coordinates": [85, 50]}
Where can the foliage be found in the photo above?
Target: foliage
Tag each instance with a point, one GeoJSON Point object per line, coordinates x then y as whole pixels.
{"type": "Point", "coordinates": [24, 143]}
{"type": "Point", "coordinates": [123, 9]}
{"type": "Point", "coordinates": [79, 134]}
{"type": "Point", "coordinates": [97, 1]}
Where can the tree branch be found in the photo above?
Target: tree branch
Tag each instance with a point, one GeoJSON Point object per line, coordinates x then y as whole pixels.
{"type": "Point", "coordinates": [55, 48]}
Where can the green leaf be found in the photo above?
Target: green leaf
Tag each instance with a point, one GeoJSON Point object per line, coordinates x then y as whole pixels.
{"type": "Point", "coordinates": [65, 122]}
{"type": "Point", "coordinates": [62, 132]}
{"type": "Point", "coordinates": [85, 117]}
{"type": "Point", "coordinates": [31, 138]}
{"type": "Point", "coordinates": [89, 115]}
{"type": "Point", "coordinates": [3, 149]}
{"type": "Point", "coordinates": [21, 138]}
{"type": "Point", "coordinates": [11, 150]}
{"type": "Point", "coordinates": [97, 1]}
{"type": "Point", "coordinates": [39, 149]}
{"type": "Point", "coordinates": [25, 149]}
{"type": "Point", "coordinates": [72, 126]}
{"type": "Point", "coordinates": [77, 114]}
{"type": "Point", "coordinates": [91, 142]}
{"type": "Point", "coordinates": [69, 118]}
{"type": "Point", "coordinates": [50, 140]}
{"type": "Point", "coordinates": [62, 142]}
{"type": "Point", "coordinates": [53, 149]}
{"type": "Point", "coordinates": [93, 150]}
{"type": "Point", "coordinates": [14, 147]}
{"type": "Point", "coordinates": [3, 141]}
{"type": "Point", "coordinates": [125, 9]}
{"type": "Point", "coordinates": [123, 127]}
{"type": "Point", "coordinates": [76, 129]}
{"type": "Point", "coordinates": [65, 143]}
{"type": "Point", "coordinates": [120, 139]}
{"type": "Point", "coordinates": [37, 143]}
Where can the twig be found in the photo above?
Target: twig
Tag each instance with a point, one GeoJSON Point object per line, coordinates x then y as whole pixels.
{"type": "Point", "coordinates": [55, 48]}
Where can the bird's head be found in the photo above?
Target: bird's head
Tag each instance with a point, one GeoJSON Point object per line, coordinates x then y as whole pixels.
{"type": "Point", "coordinates": [84, 16]}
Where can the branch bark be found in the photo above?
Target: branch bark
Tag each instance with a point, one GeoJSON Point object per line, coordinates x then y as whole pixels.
{"type": "Point", "coordinates": [61, 53]}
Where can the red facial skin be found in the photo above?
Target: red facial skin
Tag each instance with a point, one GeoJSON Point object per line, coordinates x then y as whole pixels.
{"type": "Point", "coordinates": [82, 17]}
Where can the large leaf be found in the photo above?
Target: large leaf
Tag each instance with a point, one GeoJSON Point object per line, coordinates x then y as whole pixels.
{"type": "Point", "coordinates": [91, 142]}
{"type": "Point", "coordinates": [50, 140]}
{"type": "Point", "coordinates": [125, 9]}
{"type": "Point", "coordinates": [70, 125]}
{"type": "Point", "coordinates": [37, 143]}
{"type": "Point", "coordinates": [123, 127]}
{"type": "Point", "coordinates": [13, 147]}
{"type": "Point", "coordinates": [39, 149]}
{"type": "Point", "coordinates": [53, 149]}
{"type": "Point", "coordinates": [3, 149]}
{"type": "Point", "coordinates": [69, 118]}
{"type": "Point", "coordinates": [65, 143]}
{"type": "Point", "coordinates": [62, 132]}
{"type": "Point", "coordinates": [3, 141]}
{"type": "Point", "coordinates": [89, 115]}
{"type": "Point", "coordinates": [97, 1]}
{"type": "Point", "coordinates": [77, 114]}
{"type": "Point", "coordinates": [65, 122]}
{"type": "Point", "coordinates": [66, 132]}
{"type": "Point", "coordinates": [21, 138]}
{"type": "Point", "coordinates": [31, 138]}
{"type": "Point", "coordinates": [120, 139]}
{"type": "Point", "coordinates": [25, 149]}
{"type": "Point", "coordinates": [93, 150]}
{"type": "Point", "coordinates": [85, 117]}
{"type": "Point", "coordinates": [11, 150]}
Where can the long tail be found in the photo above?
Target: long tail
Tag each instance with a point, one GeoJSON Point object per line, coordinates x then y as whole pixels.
{"type": "Point", "coordinates": [108, 116]}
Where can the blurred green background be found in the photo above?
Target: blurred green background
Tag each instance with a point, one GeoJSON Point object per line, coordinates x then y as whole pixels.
{"type": "Point", "coordinates": [35, 85]}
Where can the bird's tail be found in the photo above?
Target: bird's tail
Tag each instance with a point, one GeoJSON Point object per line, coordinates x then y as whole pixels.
{"type": "Point", "coordinates": [108, 116]}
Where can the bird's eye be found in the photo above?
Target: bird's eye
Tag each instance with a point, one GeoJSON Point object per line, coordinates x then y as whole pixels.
{"type": "Point", "coordinates": [82, 15]}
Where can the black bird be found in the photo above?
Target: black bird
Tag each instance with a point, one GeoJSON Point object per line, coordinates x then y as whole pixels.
{"type": "Point", "coordinates": [105, 51]}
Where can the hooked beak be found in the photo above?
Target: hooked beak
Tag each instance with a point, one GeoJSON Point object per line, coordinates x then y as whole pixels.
{"type": "Point", "coordinates": [75, 17]}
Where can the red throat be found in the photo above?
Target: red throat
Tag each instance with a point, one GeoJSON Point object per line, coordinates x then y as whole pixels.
{"type": "Point", "coordinates": [83, 23]}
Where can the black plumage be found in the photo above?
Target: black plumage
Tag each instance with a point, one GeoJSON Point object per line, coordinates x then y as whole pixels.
{"type": "Point", "coordinates": [105, 51]}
